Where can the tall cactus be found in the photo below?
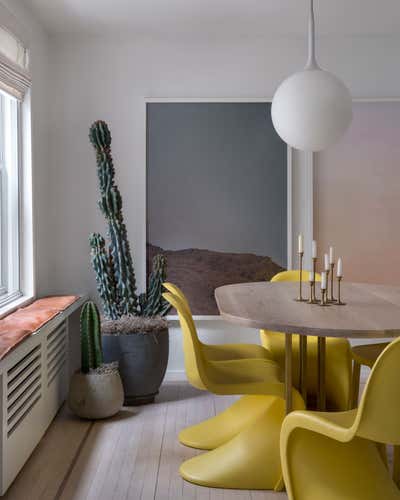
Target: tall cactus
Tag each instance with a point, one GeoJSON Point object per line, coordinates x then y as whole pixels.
{"type": "Point", "coordinates": [152, 302]}
{"type": "Point", "coordinates": [106, 285]}
{"type": "Point", "coordinates": [115, 276]}
{"type": "Point", "coordinates": [91, 350]}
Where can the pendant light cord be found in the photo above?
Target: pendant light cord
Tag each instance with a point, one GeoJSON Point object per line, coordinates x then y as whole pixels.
{"type": "Point", "coordinates": [312, 61]}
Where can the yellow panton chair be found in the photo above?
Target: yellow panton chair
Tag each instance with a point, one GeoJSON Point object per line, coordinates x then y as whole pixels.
{"type": "Point", "coordinates": [338, 357]}
{"type": "Point", "coordinates": [222, 352]}
{"type": "Point", "coordinates": [365, 355]}
{"type": "Point", "coordinates": [250, 458]}
{"type": "Point", "coordinates": [217, 430]}
{"type": "Point", "coordinates": [334, 456]}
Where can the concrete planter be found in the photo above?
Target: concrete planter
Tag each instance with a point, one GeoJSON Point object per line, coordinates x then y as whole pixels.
{"type": "Point", "coordinates": [142, 360]}
{"type": "Point", "coordinates": [95, 395]}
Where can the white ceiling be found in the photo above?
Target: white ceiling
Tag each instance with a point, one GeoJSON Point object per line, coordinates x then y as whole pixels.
{"type": "Point", "coordinates": [217, 18]}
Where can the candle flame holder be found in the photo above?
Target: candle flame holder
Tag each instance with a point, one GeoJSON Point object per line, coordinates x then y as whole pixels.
{"type": "Point", "coordinates": [300, 297]}
{"type": "Point", "coordinates": [339, 301]}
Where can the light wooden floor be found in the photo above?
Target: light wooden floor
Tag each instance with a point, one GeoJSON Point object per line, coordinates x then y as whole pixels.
{"type": "Point", "coordinates": [134, 456]}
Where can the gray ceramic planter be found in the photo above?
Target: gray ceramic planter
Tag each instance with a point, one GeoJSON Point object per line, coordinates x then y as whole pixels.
{"type": "Point", "coordinates": [142, 359]}
{"type": "Point", "coordinates": [95, 395]}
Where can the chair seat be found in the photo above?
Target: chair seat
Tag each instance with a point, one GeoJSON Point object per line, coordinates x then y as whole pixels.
{"type": "Point", "coordinates": [225, 352]}
{"type": "Point", "coordinates": [331, 470]}
{"type": "Point", "coordinates": [367, 354]}
{"type": "Point", "coordinates": [243, 372]}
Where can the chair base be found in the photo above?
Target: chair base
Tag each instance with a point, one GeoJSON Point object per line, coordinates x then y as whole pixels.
{"type": "Point", "coordinates": [220, 429]}
{"type": "Point", "coordinates": [250, 459]}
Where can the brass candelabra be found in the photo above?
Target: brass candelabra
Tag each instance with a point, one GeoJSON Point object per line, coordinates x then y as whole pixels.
{"type": "Point", "coordinates": [327, 293]}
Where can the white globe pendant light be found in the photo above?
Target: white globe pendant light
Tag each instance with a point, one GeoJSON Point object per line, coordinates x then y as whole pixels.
{"type": "Point", "coordinates": [311, 109]}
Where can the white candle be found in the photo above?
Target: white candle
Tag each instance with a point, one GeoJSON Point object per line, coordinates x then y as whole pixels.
{"type": "Point", "coordinates": [311, 276]}
{"type": "Point", "coordinates": [339, 268]}
{"type": "Point", "coordinates": [331, 256]}
{"type": "Point", "coordinates": [323, 280]}
{"type": "Point", "coordinates": [326, 258]}
{"type": "Point", "coordinates": [314, 249]}
{"type": "Point", "coordinates": [301, 248]}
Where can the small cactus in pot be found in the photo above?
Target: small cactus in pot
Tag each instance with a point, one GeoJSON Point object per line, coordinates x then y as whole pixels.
{"type": "Point", "coordinates": [91, 350]}
{"type": "Point", "coordinates": [96, 390]}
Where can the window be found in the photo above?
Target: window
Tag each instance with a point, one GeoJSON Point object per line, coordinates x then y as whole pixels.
{"type": "Point", "coordinates": [9, 199]}
{"type": "Point", "coordinates": [16, 215]}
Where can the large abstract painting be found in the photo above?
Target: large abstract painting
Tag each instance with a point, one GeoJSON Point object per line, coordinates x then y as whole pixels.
{"type": "Point", "coordinates": [216, 195]}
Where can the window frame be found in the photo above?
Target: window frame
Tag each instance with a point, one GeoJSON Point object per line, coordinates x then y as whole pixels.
{"type": "Point", "coordinates": [11, 198]}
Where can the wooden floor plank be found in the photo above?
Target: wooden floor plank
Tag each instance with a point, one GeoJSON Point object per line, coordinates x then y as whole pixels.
{"type": "Point", "coordinates": [144, 477]}
{"type": "Point", "coordinates": [130, 451]}
{"type": "Point", "coordinates": [133, 456]}
{"type": "Point", "coordinates": [267, 495]}
{"type": "Point", "coordinates": [112, 432]}
{"type": "Point", "coordinates": [122, 450]}
{"type": "Point", "coordinates": [169, 483]}
{"type": "Point", "coordinates": [48, 465]}
{"type": "Point", "coordinates": [80, 480]}
{"type": "Point", "coordinates": [199, 408]}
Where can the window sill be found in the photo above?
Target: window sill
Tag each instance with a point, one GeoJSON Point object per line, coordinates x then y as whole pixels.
{"type": "Point", "coordinates": [15, 304]}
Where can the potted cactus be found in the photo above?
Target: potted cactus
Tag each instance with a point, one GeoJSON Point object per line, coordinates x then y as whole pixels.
{"type": "Point", "coordinates": [134, 330]}
{"type": "Point", "coordinates": [96, 391]}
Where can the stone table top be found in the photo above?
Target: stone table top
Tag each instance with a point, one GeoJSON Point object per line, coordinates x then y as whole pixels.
{"type": "Point", "coordinates": [371, 311]}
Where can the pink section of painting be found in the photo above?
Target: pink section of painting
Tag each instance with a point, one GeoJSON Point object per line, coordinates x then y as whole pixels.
{"type": "Point", "coordinates": [357, 195]}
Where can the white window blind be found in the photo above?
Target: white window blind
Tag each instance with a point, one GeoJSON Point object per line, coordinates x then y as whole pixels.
{"type": "Point", "coordinates": [15, 77]}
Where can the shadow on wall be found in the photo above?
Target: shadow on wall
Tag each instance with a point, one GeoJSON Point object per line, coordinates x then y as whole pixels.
{"type": "Point", "coordinates": [199, 272]}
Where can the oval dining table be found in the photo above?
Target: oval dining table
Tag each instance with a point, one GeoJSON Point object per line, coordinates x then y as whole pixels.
{"type": "Point", "coordinates": [370, 311]}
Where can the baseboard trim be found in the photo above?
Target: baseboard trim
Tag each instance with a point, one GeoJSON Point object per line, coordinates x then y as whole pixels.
{"type": "Point", "coordinates": [175, 376]}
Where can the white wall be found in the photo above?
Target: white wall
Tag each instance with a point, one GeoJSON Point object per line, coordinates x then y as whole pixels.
{"type": "Point", "coordinates": [97, 78]}
{"type": "Point", "coordinates": [94, 78]}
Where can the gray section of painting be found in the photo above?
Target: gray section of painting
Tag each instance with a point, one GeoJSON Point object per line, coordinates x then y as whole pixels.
{"type": "Point", "coordinates": [216, 179]}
